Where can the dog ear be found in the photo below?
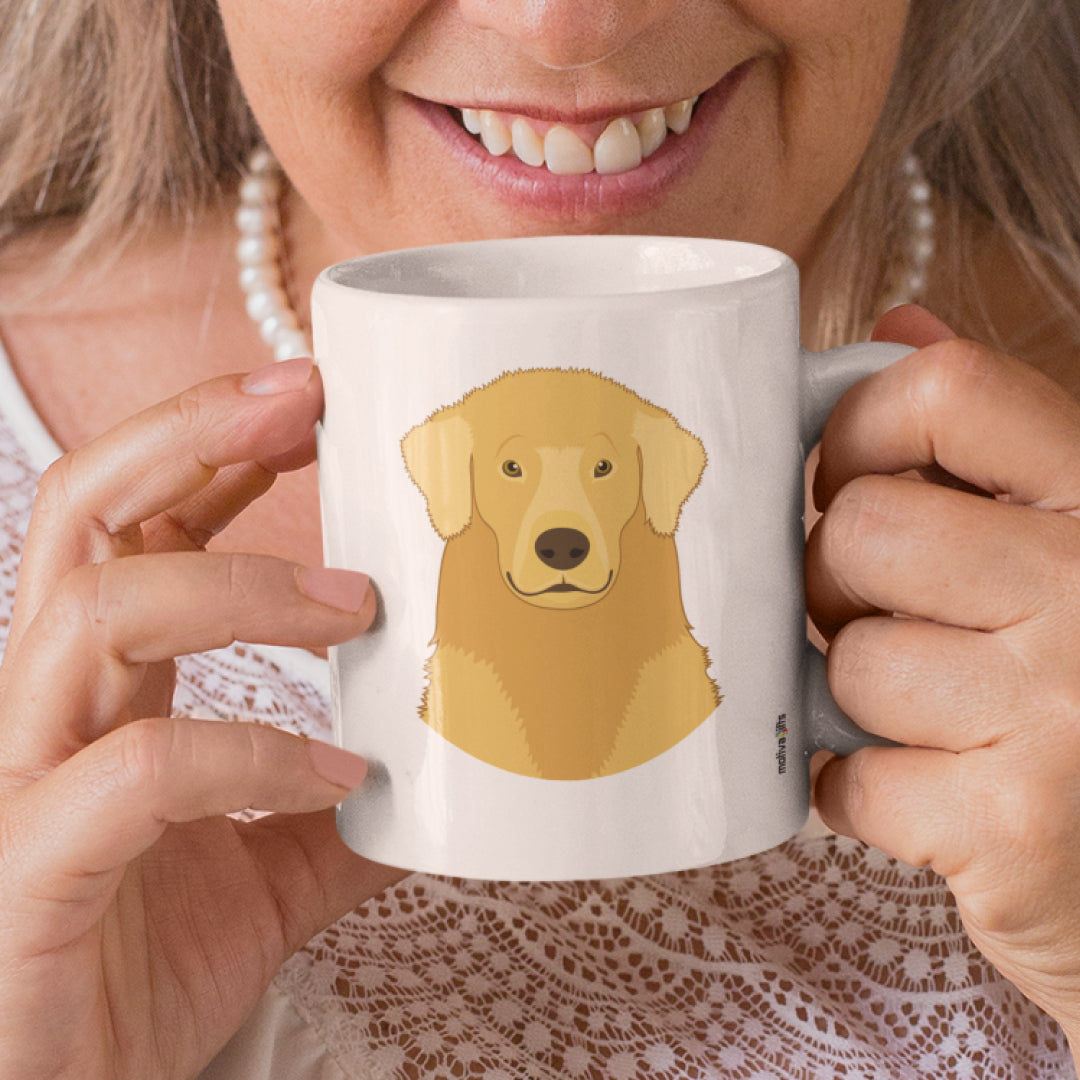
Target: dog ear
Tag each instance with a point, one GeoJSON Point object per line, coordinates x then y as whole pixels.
{"type": "Point", "coordinates": [438, 455]}
{"type": "Point", "coordinates": [672, 461]}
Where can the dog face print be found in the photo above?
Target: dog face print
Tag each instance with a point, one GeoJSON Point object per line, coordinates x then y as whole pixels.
{"type": "Point", "coordinates": [557, 511]}
{"type": "Point", "coordinates": [555, 463]}
{"type": "Point", "coordinates": [561, 645]}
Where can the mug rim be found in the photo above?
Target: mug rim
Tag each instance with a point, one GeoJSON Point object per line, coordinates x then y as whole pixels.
{"type": "Point", "coordinates": [392, 276]}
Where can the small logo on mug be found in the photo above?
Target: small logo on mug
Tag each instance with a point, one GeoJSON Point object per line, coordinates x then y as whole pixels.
{"type": "Point", "coordinates": [562, 649]}
{"type": "Point", "coordinates": [781, 744]}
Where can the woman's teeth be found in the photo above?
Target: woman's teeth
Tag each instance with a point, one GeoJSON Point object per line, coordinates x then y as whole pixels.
{"type": "Point", "coordinates": [610, 147]}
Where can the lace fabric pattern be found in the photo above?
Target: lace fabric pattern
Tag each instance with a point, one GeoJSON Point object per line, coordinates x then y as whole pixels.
{"type": "Point", "coordinates": [820, 958]}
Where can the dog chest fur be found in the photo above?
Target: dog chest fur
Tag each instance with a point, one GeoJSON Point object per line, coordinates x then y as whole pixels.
{"type": "Point", "coordinates": [566, 694]}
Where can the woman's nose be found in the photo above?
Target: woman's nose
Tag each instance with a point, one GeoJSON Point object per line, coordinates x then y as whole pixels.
{"type": "Point", "coordinates": [564, 34]}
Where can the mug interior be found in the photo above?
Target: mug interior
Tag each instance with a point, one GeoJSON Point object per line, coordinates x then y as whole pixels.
{"type": "Point", "coordinates": [559, 266]}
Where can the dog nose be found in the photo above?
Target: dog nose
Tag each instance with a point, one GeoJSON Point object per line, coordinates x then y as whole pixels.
{"type": "Point", "coordinates": [562, 549]}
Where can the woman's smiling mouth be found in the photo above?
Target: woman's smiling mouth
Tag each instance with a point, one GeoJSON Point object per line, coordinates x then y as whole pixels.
{"type": "Point", "coordinates": [607, 146]}
{"type": "Point", "coordinates": [618, 164]}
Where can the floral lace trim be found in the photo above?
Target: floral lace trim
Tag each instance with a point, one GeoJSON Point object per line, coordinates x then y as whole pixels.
{"type": "Point", "coordinates": [820, 958]}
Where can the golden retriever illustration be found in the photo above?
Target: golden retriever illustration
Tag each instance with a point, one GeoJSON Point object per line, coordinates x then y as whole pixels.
{"type": "Point", "coordinates": [562, 648]}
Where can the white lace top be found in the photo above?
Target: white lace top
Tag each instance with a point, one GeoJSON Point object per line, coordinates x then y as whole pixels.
{"type": "Point", "coordinates": [820, 958]}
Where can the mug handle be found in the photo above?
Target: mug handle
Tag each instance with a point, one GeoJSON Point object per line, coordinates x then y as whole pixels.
{"type": "Point", "coordinates": [826, 377]}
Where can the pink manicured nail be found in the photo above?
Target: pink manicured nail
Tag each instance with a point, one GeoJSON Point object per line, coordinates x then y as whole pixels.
{"type": "Point", "coordinates": [345, 590]}
{"type": "Point", "coordinates": [280, 377]}
{"type": "Point", "coordinates": [336, 765]}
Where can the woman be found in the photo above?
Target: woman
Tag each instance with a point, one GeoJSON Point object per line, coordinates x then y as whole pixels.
{"type": "Point", "coordinates": [139, 924]}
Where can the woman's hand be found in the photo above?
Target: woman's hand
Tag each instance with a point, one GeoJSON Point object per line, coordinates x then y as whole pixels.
{"type": "Point", "coordinates": [138, 924]}
{"type": "Point", "coordinates": [980, 676]}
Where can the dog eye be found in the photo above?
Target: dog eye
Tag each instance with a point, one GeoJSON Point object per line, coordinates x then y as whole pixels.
{"type": "Point", "coordinates": [603, 467]}
{"type": "Point", "coordinates": [512, 468]}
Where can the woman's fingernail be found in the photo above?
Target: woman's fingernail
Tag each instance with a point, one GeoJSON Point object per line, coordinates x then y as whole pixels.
{"type": "Point", "coordinates": [336, 765]}
{"type": "Point", "coordinates": [281, 377]}
{"type": "Point", "coordinates": [817, 490]}
{"type": "Point", "coordinates": [345, 590]}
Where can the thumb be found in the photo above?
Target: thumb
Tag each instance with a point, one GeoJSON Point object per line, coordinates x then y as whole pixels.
{"type": "Point", "coordinates": [912, 325]}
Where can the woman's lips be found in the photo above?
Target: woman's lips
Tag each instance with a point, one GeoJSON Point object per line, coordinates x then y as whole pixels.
{"type": "Point", "coordinates": [535, 188]}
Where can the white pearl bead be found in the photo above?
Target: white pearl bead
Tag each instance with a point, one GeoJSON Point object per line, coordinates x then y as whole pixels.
{"type": "Point", "coordinates": [257, 250]}
{"type": "Point", "coordinates": [923, 219]}
{"type": "Point", "coordinates": [919, 192]}
{"type": "Point", "coordinates": [916, 283]}
{"type": "Point", "coordinates": [289, 344]}
{"type": "Point", "coordinates": [259, 190]}
{"type": "Point", "coordinates": [922, 248]}
{"type": "Point", "coordinates": [262, 303]}
{"type": "Point", "coordinates": [262, 161]}
{"type": "Point", "coordinates": [260, 276]}
{"type": "Point", "coordinates": [273, 324]}
{"type": "Point", "coordinates": [256, 220]}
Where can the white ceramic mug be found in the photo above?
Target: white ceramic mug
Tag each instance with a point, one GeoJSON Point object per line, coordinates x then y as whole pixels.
{"type": "Point", "coordinates": [573, 467]}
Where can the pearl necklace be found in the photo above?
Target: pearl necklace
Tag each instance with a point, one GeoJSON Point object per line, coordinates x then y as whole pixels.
{"type": "Point", "coordinates": [920, 235]}
{"type": "Point", "coordinates": [259, 254]}
{"type": "Point", "coordinates": [259, 251]}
